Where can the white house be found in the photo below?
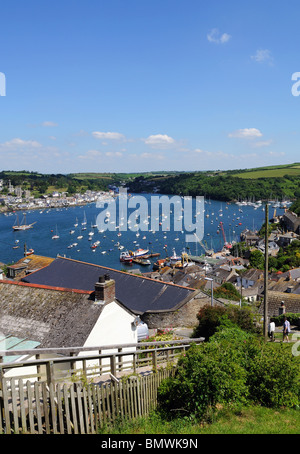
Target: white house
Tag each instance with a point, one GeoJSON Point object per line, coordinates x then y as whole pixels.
{"type": "Point", "coordinates": [37, 316]}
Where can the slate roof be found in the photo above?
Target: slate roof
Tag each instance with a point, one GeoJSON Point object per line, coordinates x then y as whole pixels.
{"type": "Point", "coordinates": [49, 317]}
{"type": "Point", "coordinates": [137, 293]}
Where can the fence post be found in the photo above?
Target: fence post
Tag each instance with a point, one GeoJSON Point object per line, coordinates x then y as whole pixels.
{"type": "Point", "coordinates": [50, 372]}
{"type": "Point", "coordinates": [113, 365]}
{"type": "Point", "coordinates": [120, 359]}
{"type": "Point", "coordinates": [100, 362]}
{"type": "Point", "coordinates": [72, 365]}
{"type": "Point", "coordinates": [154, 360]}
{"type": "Point", "coordinates": [38, 367]}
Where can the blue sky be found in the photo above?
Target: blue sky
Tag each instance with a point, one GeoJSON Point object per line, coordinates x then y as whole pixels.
{"type": "Point", "coordinates": [141, 85]}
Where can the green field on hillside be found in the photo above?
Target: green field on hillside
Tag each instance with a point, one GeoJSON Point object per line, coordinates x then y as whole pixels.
{"type": "Point", "coordinates": [269, 172]}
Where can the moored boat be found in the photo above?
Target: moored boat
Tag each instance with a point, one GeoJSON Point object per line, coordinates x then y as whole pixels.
{"type": "Point", "coordinates": [23, 225]}
{"type": "Point", "coordinates": [56, 236]}
{"type": "Point", "coordinates": [139, 252]}
{"type": "Point", "coordinates": [175, 258]}
{"type": "Point", "coordinates": [125, 257]}
{"type": "Point", "coordinates": [142, 261]}
{"type": "Point", "coordinates": [96, 244]}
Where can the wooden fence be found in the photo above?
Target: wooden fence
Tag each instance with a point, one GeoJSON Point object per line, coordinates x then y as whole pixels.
{"type": "Point", "coordinates": [81, 398]}
{"type": "Point", "coordinates": [65, 364]}
{"type": "Point", "coordinates": [76, 408]}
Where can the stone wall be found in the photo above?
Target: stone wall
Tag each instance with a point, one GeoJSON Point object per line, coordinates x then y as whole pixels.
{"type": "Point", "coordinates": [291, 302]}
{"type": "Point", "coordinates": [184, 316]}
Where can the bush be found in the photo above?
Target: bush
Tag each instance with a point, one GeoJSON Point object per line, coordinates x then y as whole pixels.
{"type": "Point", "coordinates": [235, 367]}
{"type": "Point", "coordinates": [294, 319]}
{"type": "Point", "coordinates": [210, 318]}
{"type": "Point", "coordinates": [208, 374]}
{"type": "Point", "coordinates": [228, 291]}
{"type": "Point", "coordinates": [274, 378]}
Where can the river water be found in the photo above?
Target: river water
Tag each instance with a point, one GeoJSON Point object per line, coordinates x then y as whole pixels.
{"type": "Point", "coordinates": [137, 233]}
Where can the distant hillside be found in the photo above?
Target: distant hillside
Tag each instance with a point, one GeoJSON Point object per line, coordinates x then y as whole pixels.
{"type": "Point", "coordinates": [264, 183]}
{"type": "Point", "coordinates": [268, 172]}
{"type": "Point", "coordinates": [40, 184]}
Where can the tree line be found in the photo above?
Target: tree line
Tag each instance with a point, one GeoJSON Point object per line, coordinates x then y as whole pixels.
{"type": "Point", "coordinates": [40, 183]}
{"type": "Point", "coordinates": [221, 187]}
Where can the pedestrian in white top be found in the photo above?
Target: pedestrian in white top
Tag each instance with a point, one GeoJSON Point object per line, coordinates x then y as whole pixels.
{"type": "Point", "coordinates": [271, 330]}
{"type": "Point", "coordinates": [286, 329]}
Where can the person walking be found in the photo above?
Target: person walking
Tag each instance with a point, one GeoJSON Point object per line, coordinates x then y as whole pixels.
{"type": "Point", "coordinates": [286, 329]}
{"type": "Point", "coordinates": [271, 330]}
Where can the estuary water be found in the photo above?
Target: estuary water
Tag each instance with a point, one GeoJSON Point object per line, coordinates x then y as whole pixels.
{"type": "Point", "coordinates": [127, 231]}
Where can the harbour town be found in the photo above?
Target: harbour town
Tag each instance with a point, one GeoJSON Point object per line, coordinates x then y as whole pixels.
{"type": "Point", "coordinates": [149, 222]}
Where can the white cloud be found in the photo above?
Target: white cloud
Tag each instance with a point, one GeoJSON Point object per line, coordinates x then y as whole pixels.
{"type": "Point", "coordinates": [159, 141]}
{"type": "Point", "coordinates": [90, 154]}
{"type": "Point", "coordinates": [214, 36]}
{"type": "Point", "coordinates": [49, 124]}
{"type": "Point", "coordinates": [152, 156]}
{"type": "Point", "coordinates": [262, 143]}
{"type": "Point", "coordinates": [276, 153]}
{"type": "Point", "coordinates": [263, 56]}
{"type": "Point", "coordinates": [116, 154]}
{"type": "Point", "coordinates": [247, 133]}
{"type": "Point", "coordinates": [108, 135]}
{"type": "Point", "coordinates": [17, 144]}
{"type": "Point", "coordinates": [213, 154]}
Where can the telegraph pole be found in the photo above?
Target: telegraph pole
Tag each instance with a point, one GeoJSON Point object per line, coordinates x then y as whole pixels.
{"type": "Point", "coordinates": [266, 273]}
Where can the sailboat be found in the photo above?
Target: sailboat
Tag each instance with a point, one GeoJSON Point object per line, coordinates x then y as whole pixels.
{"type": "Point", "coordinates": [84, 219]}
{"type": "Point", "coordinates": [56, 236]}
{"type": "Point", "coordinates": [91, 233]}
{"type": "Point", "coordinates": [23, 225]}
{"type": "Point", "coordinates": [94, 226]}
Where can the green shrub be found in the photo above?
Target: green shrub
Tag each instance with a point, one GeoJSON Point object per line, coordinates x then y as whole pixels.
{"type": "Point", "coordinates": [294, 319]}
{"type": "Point", "coordinates": [274, 377]}
{"type": "Point", "coordinates": [210, 318]}
{"type": "Point", "coordinates": [208, 374]}
{"type": "Point", "coordinates": [228, 291]}
{"type": "Point", "coordinates": [235, 367]}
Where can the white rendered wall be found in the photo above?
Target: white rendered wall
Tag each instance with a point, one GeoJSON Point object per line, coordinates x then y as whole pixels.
{"type": "Point", "coordinates": [114, 327]}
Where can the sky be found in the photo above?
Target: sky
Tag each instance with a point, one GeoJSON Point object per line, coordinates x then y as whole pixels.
{"type": "Point", "coordinates": [148, 85]}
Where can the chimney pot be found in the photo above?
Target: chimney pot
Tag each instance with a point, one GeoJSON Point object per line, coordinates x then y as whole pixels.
{"type": "Point", "coordinates": [105, 290]}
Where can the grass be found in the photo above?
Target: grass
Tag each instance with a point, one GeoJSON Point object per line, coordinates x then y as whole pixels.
{"type": "Point", "coordinates": [54, 189]}
{"type": "Point", "coordinates": [245, 420]}
{"type": "Point", "coordinates": [269, 171]}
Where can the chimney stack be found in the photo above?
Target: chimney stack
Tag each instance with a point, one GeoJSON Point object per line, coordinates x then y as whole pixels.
{"type": "Point", "coordinates": [105, 290]}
